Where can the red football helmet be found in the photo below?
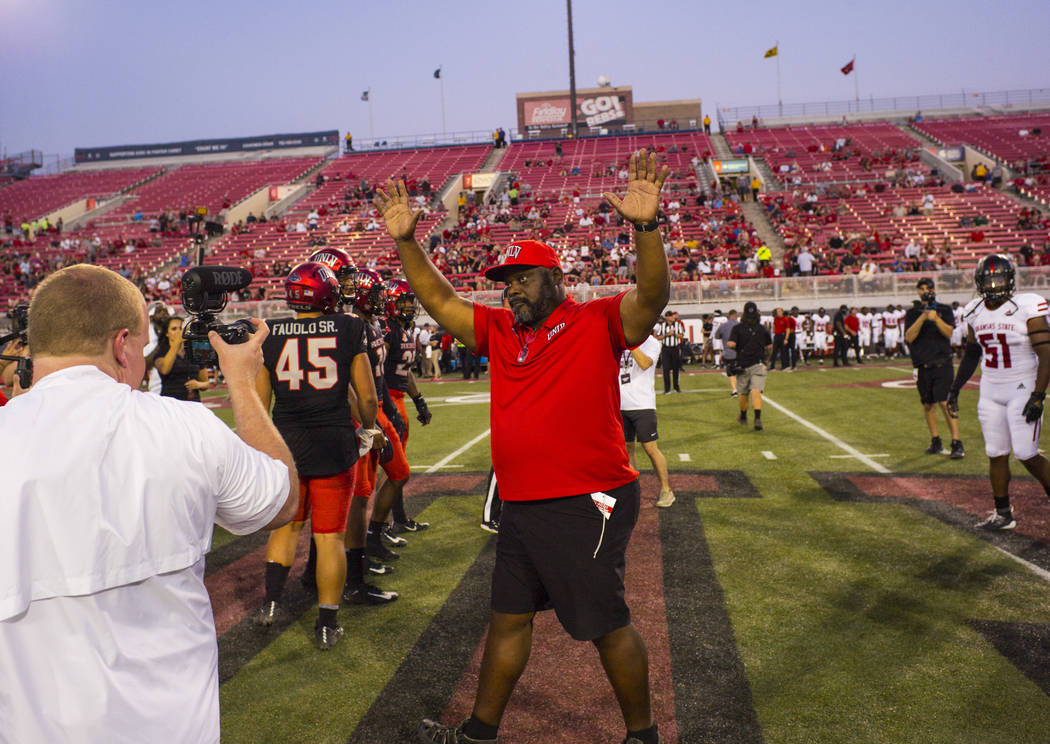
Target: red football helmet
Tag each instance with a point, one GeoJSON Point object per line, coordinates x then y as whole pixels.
{"type": "Point", "coordinates": [369, 292]}
{"type": "Point", "coordinates": [312, 286]}
{"type": "Point", "coordinates": [342, 266]}
{"type": "Point", "coordinates": [400, 302]}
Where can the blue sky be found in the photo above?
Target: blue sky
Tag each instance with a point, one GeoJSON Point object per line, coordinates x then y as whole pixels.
{"type": "Point", "coordinates": [107, 72]}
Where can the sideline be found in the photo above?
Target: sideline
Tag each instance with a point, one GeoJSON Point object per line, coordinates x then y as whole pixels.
{"type": "Point", "coordinates": [453, 455]}
{"type": "Point", "coordinates": [830, 437]}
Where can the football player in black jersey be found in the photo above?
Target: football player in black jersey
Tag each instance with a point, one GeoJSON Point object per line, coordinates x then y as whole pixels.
{"type": "Point", "coordinates": [369, 302]}
{"type": "Point", "coordinates": [400, 355]}
{"type": "Point", "coordinates": [316, 367]}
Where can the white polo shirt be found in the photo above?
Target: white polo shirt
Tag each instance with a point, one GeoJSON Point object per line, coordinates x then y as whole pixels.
{"type": "Point", "coordinates": [639, 392]}
{"type": "Point", "coordinates": [106, 511]}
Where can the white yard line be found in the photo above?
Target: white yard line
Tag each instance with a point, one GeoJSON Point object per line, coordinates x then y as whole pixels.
{"type": "Point", "coordinates": [830, 437]}
{"type": "Point", "coordinates": [1040, 572]}
{"type": "Point", "coordinates": [453, 455]}
{"type": "Point", "coordinates": [684, 457]}
{"type": "Point", "coordinates": [768, 455]}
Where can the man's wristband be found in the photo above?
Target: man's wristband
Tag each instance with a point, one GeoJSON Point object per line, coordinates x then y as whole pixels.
{"type": "Point", "coordinates": [646, 226]}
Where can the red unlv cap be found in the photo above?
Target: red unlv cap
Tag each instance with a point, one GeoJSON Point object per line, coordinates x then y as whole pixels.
{"type": "Point", "coordinates": [524, 254]}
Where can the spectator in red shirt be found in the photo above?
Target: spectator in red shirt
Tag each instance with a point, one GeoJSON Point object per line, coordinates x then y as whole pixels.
{"type": "Point", "coordinates": [570, 496]}
{"type": "Point", "coordinates": [783, 339]}
{"type": "Point", "coordinates": [853, 328]}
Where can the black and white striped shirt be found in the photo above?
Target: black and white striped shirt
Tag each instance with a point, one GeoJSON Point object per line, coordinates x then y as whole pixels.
{"type": "Point", "coordinates": [667, 330]}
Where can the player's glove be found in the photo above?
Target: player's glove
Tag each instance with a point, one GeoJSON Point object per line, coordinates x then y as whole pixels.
{"type": "Point", "coordinates": [1033, 409]}
{"type": "Point", "coordinates": [953, 403]}
{"type": "Point", "coordinates": [422, 411]}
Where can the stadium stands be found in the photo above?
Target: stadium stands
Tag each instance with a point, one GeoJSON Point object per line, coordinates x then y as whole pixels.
{"type": "Point", "coordinates": [34, 197]}
{"type": "Point", "coordinates": [1021, 141]}
{"type": "Point", "coordinates": [815, 154]}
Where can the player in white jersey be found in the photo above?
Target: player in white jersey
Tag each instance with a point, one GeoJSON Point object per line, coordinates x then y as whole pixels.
{"type": "Point", "coordinates": [891, 331]}
{"type": "Point", "coordinates": [876, 332]}
{"type": "Point", "coordinates": [716, 343]}
{"type": "Point", "coordinates": [865, 317]}
{"type": "Point", "coordinates": [1011, 334]}
{"type": "Point", "coordinates": [821, 324]}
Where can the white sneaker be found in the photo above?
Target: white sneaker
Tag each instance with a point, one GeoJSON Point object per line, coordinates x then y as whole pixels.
{"type": "Point", "coordinates": [666, 499]}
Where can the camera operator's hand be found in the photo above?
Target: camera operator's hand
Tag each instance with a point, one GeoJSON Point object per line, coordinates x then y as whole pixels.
{"type": "Point", "coordinates": [241, 362]}
{"type": "Point", "coordinates": [1033, 409]}
{"type": "Point", "coordinates": [952, 403]}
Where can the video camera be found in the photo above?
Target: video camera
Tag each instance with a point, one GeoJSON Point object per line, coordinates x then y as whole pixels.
{"type": "Point", "coordinates": [205, 291]}
{"type": "Point", "coordinates": [19, 316]}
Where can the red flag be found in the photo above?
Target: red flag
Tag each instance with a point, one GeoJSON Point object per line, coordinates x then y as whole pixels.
{"type": "Point", "coordinates": [849, 67]}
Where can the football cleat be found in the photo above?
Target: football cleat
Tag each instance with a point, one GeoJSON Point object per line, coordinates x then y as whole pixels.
{"type": "Point", "coordinates": [432, 732]}
{"type": "Point", "coordinates": [266, 615]}
{"type": "Point", "coordinates": [958, 452]}
{"type": "Point", "coordinates": [375, 550]}
{"type": "Point", "coordinates": [997, 521]}
{"type": "Point", "coordinates": [327, 636]}
{"type": "Point", "coordinates": [936, 447]}
{"type": "Point", "coordinates": [410, 525]}
{"type": "Point", "coordinates": [366, 594]}
{"type": "Point", "coordinates": [491, 526]}
{"type": "Point", "coordinates": [391, 539]}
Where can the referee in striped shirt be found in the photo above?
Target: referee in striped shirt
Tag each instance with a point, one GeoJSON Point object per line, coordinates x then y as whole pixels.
{"type": "Point", "coordinates": [671, 333]}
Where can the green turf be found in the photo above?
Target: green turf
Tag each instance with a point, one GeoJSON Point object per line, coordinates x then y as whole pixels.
{"type": "Point", "coordinates": [850, 617]}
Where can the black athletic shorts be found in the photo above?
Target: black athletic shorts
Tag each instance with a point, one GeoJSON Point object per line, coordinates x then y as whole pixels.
{"type": "Point", "coordinates": [639, 426]}
{"type": "Point", "coordinates": [562, 554]}
{"type": "Point", "coordinates": [934, 383]}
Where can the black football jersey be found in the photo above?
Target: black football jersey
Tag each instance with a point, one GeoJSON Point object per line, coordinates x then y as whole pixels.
{"type": "Point", "coordinates": [400, 353]}
{"type": "Point", "coordinates": [309, 361]}
{"type": "Point", "coordinates": [375, 341]}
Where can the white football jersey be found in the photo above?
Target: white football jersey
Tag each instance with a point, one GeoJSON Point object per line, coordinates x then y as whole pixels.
{"type": "Point", "coordinates": [865, 321]}
{"type": "Point", "coordinates": [876, 322]}
{"type": "Point", "coordinates": [1003, 334]}
{"type": "Point", "coordinates": [821, 323]}
{"type": "Point", "coordinates": [890, 319]}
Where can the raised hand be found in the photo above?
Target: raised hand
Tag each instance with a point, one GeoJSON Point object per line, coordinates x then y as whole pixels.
{"type": "Point", "coordinates": [392, 203]}
{"type": "Point", "coordinates": [642, 200]}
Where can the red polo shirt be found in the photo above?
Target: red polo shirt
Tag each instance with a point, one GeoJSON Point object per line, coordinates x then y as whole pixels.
{"type": "Point", "coordinates": [555, 413]}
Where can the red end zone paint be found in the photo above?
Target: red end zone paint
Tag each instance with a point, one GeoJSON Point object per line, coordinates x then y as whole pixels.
{"type": "Point", "coordinates": [564, 696]}
{"type": "Point", "coordinates": [237, 590]}
{"type": "Point", "coordinates": [972, 495]}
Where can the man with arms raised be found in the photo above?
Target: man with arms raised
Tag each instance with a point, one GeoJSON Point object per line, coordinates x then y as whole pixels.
{"type": "Point", "coordinates": [106, 630]}
{"type": "Point", "coordinates": [570, 495]}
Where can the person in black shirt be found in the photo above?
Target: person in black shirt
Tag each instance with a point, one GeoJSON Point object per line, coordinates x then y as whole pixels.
{"type": "Point", "coordinates": [842, 337]}
{"type": "Point", "coordinates": [753, 345]}
{"type": "Point", "coordinates": [316, 367]}
{"type": "Point", "coordinates": [179, 377]}
{"type": "Point", "coordinates": [928, 330]}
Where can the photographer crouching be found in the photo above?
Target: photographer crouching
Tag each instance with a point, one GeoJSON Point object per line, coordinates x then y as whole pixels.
{"type": "Point", "coordinates": [103, 536]}
{"type": "Point", "coordinates": [928, 331]}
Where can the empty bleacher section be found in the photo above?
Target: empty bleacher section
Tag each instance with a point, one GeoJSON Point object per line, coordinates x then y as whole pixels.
{"type": "Point", "coordinates": [822, 154]}
{"type": "Point", "coordinates": [1020, 141]}
{"type": "Point", "coordinates": [37, 196]}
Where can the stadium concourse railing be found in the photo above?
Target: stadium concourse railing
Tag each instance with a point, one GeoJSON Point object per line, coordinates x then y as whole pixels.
{"type": "Point", "coordinates": [806, 292]}
{"type": "Point", "coordinates": [928, 104]}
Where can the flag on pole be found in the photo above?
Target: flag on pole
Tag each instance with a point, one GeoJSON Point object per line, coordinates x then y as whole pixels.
{"type": "Point", "coordinates": [364, 96]}
{"type": "Point", "coordinates": [771, 52]}
{"type": "Point", "coordinates": [437, 73]}
{"type": "Point", "coordinates": [848, 67]}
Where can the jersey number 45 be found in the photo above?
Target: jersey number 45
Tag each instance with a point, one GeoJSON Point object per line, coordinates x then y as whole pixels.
{"type": "Point", "coordinates": [323, 371]}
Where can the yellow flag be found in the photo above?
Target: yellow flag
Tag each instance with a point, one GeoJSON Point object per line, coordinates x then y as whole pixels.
{"type": "Point", "coordinates": [772, 52]}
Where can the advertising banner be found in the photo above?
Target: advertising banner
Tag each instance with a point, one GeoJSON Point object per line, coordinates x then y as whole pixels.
{"type": "Point", "coordinates": [205, 147]}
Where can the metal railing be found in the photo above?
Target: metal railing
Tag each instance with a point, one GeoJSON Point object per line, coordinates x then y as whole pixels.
{"type": "Point", "coordinates": [729, 116]}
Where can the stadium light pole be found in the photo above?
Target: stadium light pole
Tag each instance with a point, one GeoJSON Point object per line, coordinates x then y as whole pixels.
{"type": "Point", "coordinates": [572, 76]}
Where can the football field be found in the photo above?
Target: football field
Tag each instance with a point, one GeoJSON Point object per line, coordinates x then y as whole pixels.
{"type": "Point", "coordinates": [819, 581]}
